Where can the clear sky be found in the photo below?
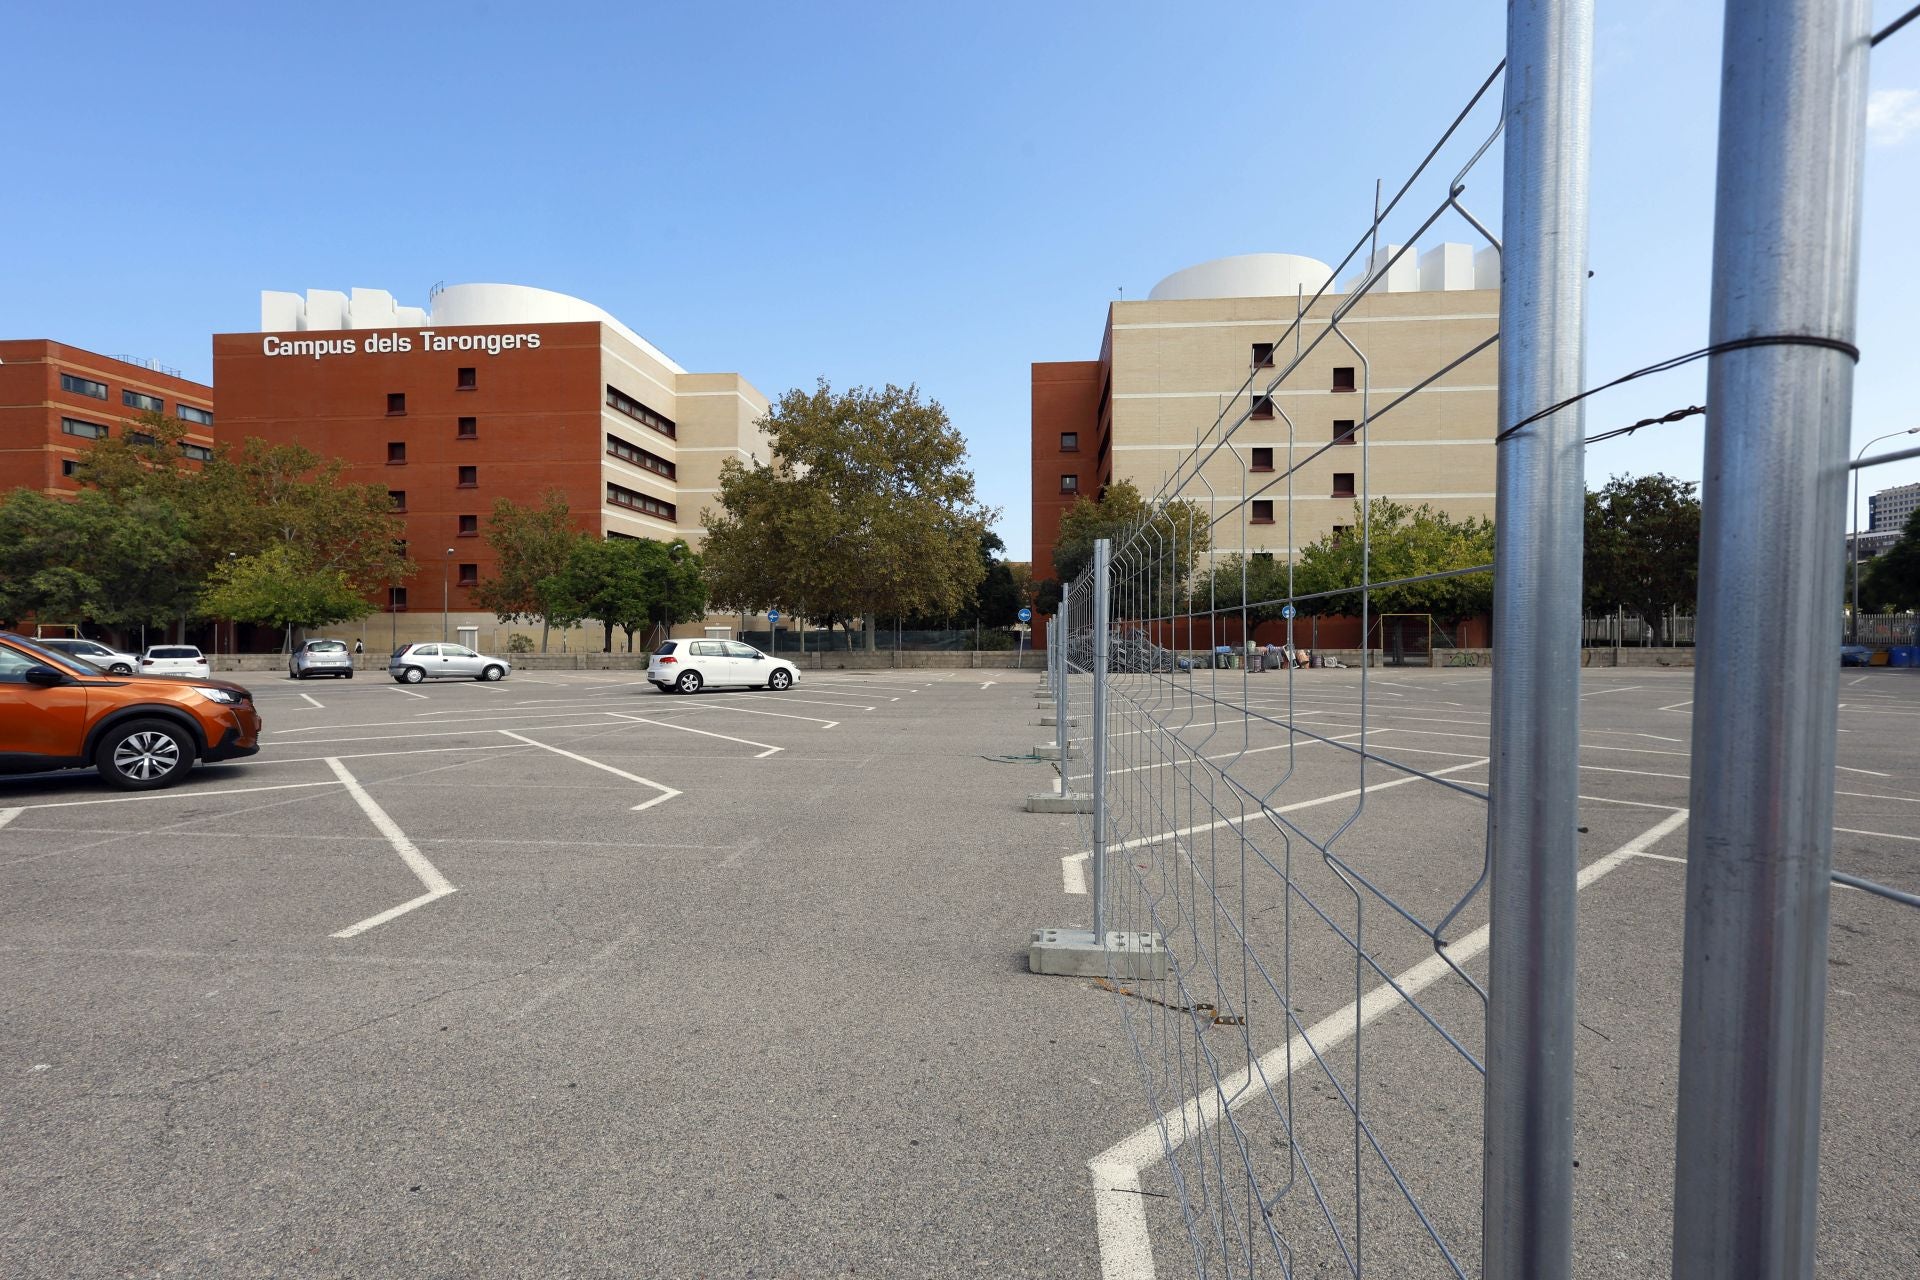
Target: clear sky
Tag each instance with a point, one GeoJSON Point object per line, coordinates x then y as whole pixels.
{"type": "Point", "coordinates": [868, 193]}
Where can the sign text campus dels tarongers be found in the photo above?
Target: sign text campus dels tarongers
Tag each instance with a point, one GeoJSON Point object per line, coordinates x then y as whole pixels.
{"type": "Point", "coordinates": [385, 343]}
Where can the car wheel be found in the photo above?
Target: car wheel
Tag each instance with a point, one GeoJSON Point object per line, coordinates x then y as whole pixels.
{"type": "Point", "coordinates": [347, 674]}
{"type": "Point", "coordinates": [493, 673]}
{"type": "Point", "coordinates": [119, 669]}
{"type": "Point", "coordinates": [143, 755]}
{"type": "Point", "coordinates": [779, 680]}
{"type": "Point", "coordinates": [689, 682]}
{"type": "Point", "coordinates": [412, 675]}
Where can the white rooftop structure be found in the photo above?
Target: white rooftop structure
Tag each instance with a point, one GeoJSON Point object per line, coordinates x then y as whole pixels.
{"type": "Point", "coordinates": [1285, 275]}
{"type": "Point", "coordinates": [455, 304]}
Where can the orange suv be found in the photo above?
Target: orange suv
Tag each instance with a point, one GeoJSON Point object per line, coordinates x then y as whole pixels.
{"type": "Point", "coordinates": [140, 732]}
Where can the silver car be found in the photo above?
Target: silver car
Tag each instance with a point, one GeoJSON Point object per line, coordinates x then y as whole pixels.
{"type": "Point", "coordinates": [94, 654]}
{"type": "Point", "coordinates": [321, 658]}
{"type": "Point", "coordinates": [412, 663]}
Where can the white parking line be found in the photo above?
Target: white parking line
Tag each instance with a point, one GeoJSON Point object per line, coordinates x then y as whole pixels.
{"type": "Point", "coordinates": [394, 688]}
{"type": "Point", "coordinates": [1120, 1216]}
{"type": "Point", "coordinates": [668, 724]}
{"type": "Point", "coordinates": [437, 885]}
{"type": "Point", "coordinates": [667, 793]}
{"type": "Point", "coordinates": [1677, 705]}
{"type": "Point", "coordinates": [8, 815]}
{"type": "Point", "coordinates": [181, 793]}
{"type": "Point", "coordinates": [310, 698]}
{"type": "Point", "coordinates": [815, 702]}
{"type": "Point", "coordinates": [749, 711]}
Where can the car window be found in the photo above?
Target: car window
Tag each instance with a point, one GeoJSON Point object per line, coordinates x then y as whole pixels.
{"type": "Point", "coordinates": [709, 649]}
{"type": "Point", "coordinates": [90, 649]}
{"type": "Point", "coordinates": [13, 666]}
{"type": "Point", "coordinates": [326, 646]}
{"type": "Point", "coordinates": [176, 651]}
{"type": "Point", "coordinates": [39, 653]}
{"type": "Point", "coordinates": [737, 650]}
{"type": "Point", "coordinates": [668, 647]}
{"type": "Point", "coordinates": [457, 651]}
{"type": "Point", "coordinates": [426, 651]}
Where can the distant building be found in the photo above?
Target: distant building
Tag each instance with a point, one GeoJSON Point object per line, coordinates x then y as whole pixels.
{"type": "Point", "coordinates": [1168, 364]}
{"type": "Point", "coordinates": [496, 391]}
{"type": "Point", "coordinates": [57, 400]}
{"type": "Point", "coordinates": [1889, 509]}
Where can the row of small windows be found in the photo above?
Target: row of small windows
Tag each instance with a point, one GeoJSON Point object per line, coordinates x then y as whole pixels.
{"type": "Point", "coordinates": [1342, 374]}
{"type": "Point", "coordinates": [74, 384]}
{"type": "Point", "coordinates": [97, 431]}
{"type": "Point", "coordinates": [620, 400]}
{"type": "Point", "coordinates": [639, 457]}
{"type": "Point", "coordinates": [468, 575]}
{"type": "Point", "coordinates": [1342, 488]}
{"type": "Point", "coordinates": [1262, 455]}
{"type": "Point", "coordinates": [621, 496]}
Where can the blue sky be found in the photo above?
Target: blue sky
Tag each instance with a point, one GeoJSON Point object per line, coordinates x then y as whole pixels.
{"type": "Point", "coordinates": [866, 192]}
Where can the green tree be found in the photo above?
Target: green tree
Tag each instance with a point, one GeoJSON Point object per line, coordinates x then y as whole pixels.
{"type": "Point", "coordinates": [1400, 542]}
{"type": "Point", "coordinates": [1643, 547]}
{"type": "Point", "coordinates": [867, 508]}
{"type": "Point", "coordinates": [1891, 581]}
{"type": "Point", "coordinates": [278, 587]}
{"type": "Point", "coordinates": [1173, 538]}
{"type": "Point", "coordinates": [532, 547]}
{"type": "Point", "coordinates": [116, 563]}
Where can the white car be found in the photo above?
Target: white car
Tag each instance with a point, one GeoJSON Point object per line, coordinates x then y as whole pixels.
{"type": "Point", "coordinates": [175, 660]}
{"type": "Point", "coordinates": [95, 654]}
{"type": "Point", "coordinates": [691, 665]}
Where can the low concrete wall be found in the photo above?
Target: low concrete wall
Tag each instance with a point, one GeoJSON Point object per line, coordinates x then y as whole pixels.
{"type": "Point", "coordinates": [1636, 656]}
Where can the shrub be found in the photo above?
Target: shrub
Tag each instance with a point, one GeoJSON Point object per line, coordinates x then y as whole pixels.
{"type": "Point", "coordinates": [518, 643]}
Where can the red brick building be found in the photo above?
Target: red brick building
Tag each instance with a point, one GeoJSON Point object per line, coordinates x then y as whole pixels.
{"type": "Point", "coordinates": [56, 400]}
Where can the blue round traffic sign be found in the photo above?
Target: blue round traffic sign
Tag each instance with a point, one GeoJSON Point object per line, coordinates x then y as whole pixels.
{"type": "Point", "coordinates": [1026, 614]}
{"type": "Point", "coordinates": [1286, 611]}
{"type": "Point", "coordinates": [773, 615]}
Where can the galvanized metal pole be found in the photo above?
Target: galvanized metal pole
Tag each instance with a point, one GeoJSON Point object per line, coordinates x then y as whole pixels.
{"type": "Point", "coordinates": [1060, 735]}
{"type": "Point", "coordinates": [1102, 589]}
{"type": "Point", "coordinates": [1786, 260]}
{"type": "Point", "coordinates": [1527, 1208]}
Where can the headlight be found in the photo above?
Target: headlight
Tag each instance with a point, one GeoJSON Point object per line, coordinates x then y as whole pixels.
{"type": "Point", "coordinates": [227, 696]}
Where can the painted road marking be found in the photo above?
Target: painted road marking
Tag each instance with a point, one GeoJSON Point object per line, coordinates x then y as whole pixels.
{"type": "Point", "coordinates": [8, 815]}
{"type": "Point", "coordinates": [394, 688]}
{"type": "Point", "coordinates": [1120, 1215]}
{"type": "Point", "coordinates": [705, 733]}
{"type": "Point", "coordinates": [178, 794]}
{"type": "Point", "coordinates": [436, 884]}
{"type": "Point", "coordinates": [667, 793]}
{"type": "Point", "coordinates": [315, 701]}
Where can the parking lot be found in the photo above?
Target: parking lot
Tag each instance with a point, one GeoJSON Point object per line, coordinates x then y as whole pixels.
{"type": "Point", "coordinates": [561, 976]}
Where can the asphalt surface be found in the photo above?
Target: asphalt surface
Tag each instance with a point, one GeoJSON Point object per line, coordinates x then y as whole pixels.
{"type": "Point", "coordinates": [735, 985]}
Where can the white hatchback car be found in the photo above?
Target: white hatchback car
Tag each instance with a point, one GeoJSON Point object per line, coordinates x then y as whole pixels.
{"type": "Point", "coordinates": [690, 665]}
{"type": "Point", "coordinates": [114, 662]}
{"type": "Point", "coordinates": [175, 660]}
{"type": "Point", "coordinates": [412, 663]}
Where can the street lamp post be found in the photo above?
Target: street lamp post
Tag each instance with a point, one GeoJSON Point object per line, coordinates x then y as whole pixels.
{"type": "Point", "coordinates": [1853, 569]}
{"type": "Point", "coordinates": [446, 594]}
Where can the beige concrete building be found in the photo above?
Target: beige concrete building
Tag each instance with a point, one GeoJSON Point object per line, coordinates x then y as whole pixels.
{"type": "Point", "coordinates": [1171, 365]}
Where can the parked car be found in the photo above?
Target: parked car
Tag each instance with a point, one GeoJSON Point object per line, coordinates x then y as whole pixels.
{"type": "Point", "coordinates": [691, 665]}
{"type": "Point", "coordinates": [320, 658]}
{"type": "Point", "coordinates": [412, 663]}
{"type": "Point", "coordinates": [1855, 655]}
{"type": "Point", "coordinates": [138, 731]}
{"type": "Point", "coordinates": [175, 660]}
{"type": "Point", "coordinates": [112, 661]}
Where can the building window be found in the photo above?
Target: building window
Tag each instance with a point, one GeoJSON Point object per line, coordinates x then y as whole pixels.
{"type": "Point", "coordinates": [396, 402]}
{"type": "Point", "coordinates": [1263, 458]}
{"type": "Point", "coordinates": [82, 428]}
{"type": "Point", "coordinates": [1263, 555]}
{"type": "Point", "coordinates": [398, 499]}
{"type": "Point", "coordinates": [469, 575]}
{"type": "Point", "coordinates": [1069, 442]}
{"type": "Point", "coordinates": [639, 457]}
{"type": "Point", "coordinates": [83, 386]}
{"type": "Point", "coordinates": [1343, 378]}
{"type": "Point", "coordinates": [1340, 532]}
{"type": "Point", "coordinates": [396, 452]}
{"type": "Point", "coordinates": [469, 526]}
{"type": "Point", "coordinates": [618, 399]}
{"type": "Point", "coordinates": [1069, 484]}
{"type": "Point", "coordinates": [198, 452]}
{"type": "Point", "coordinates": [621, 496]}
{"type": "Point", "coordinates": [397, 599]}
{"type": "Point", "coordinates": [1343, 484]}
{"type": "Point", "coordinates": [469, 477]}
{"type": "Point", "coordinates": [1263, 511]}
{"type": "Point", "coordinates": [1262, 407]}
{"type": "Point", "coordinates": [187, 413]}
{"type": "Point", "coordinates": [1343, 430]}
{"type": "Point", "coordinates": [68, 466]}
{"type": "Point", "coordinates": [469, 428]}
{"type": "Point", "coordinates": [1263, 355]}
{"type": "Point", "coordinates": [468, 379]}
{"type": "Point", "coordinates": [149, 404]}
{"type": "Point", "coordinates": [138, 437]}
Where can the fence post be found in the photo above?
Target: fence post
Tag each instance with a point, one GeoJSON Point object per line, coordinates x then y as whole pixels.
{"type": "Point", "coordinates": [1786, 263]}
{"type": "Point", "coordinates": [1527, 1207]}
{"type": "Point", "coordinates": [1102, 590]}
{"type": "Point", "coordinates": [1060, 734]}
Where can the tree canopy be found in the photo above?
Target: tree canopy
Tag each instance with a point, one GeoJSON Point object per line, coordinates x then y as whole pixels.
{"type": "Point", "coordinates": [629, 583]}
{"type": "Point", "coordinates": [532, 548]}
{"type": "Point", "coordinates": [1643, 547]}
{"type": "Point", "coordinates": [1891, 581]}
{"type": "Point", "coordinates": [1401, 542]}
{"type": "Point", "coordinates": [279, 587]}
{"type": "Point", "coordinates": [866, 508]}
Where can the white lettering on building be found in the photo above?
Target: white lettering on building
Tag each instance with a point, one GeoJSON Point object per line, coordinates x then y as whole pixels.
{"type": "Point", "coordinates": [390, 343]}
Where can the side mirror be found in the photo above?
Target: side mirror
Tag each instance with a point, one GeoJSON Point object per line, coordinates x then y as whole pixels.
{"type": "Point", "coordinates": [44, 676]}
